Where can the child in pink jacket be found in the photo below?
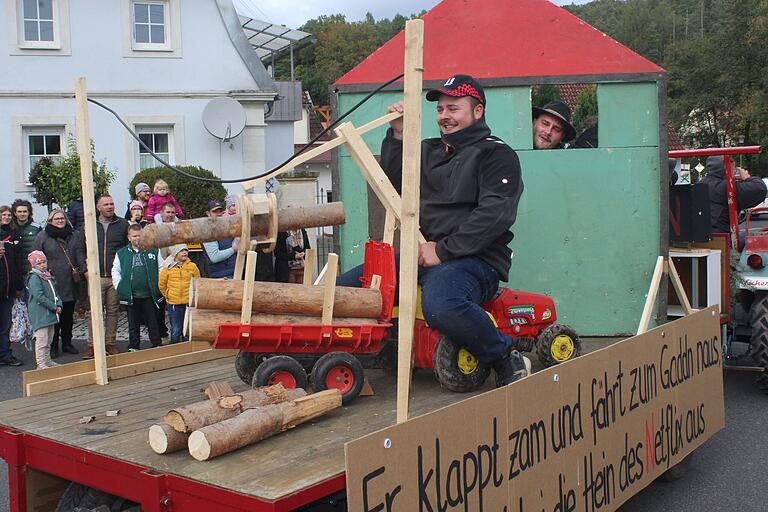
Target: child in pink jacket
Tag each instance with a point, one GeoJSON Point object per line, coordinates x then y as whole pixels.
{"type": "Point", "coordinates": [161, 195]}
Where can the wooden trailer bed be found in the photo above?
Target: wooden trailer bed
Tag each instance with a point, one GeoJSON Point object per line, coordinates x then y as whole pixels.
{"type": "Point", "coordinates": [270, 471]}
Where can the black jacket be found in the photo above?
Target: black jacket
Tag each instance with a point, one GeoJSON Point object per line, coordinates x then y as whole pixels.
{"type": "Point", "coordinates": [76, 213]}
{"type": "Point", "coordinates": [470, 187]}
{"type": "Point", "coordinates": [60, 248]}
{"type": "Point", "coordinates": [116, 238]}
{"type": "Point", "coordinates": [11, 279]}
{"type": "Point", "coordinates": [749, 193]}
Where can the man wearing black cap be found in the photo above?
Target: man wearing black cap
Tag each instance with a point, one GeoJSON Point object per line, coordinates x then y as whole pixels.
{"type": "Point", "coordinates": [220, 255]}
{"type": "Point", "coordinates": [552, 125]}
{"type": "Point", "coordinates": [470, 186]}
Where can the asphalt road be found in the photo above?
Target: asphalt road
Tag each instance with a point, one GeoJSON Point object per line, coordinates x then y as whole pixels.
{"type": "Point", "coordinates": [729, 472]}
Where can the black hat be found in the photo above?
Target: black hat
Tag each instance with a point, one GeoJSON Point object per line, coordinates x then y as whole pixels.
{"type": "Point", "coordinates": [561, 111]}
{"type": "Point", "coordinates": [459, 86]}
{"type": "Point", "coordinates": [215, 204]}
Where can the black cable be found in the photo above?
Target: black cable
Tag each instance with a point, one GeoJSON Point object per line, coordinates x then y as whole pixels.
{"type": "Point", "coordinates": [240, 180]}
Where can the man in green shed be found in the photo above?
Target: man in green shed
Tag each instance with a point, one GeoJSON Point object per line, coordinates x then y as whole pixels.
{"type": "Point", "coordinates": [552, 126]}
{"type": "Point", "coordinates": [471, 184]}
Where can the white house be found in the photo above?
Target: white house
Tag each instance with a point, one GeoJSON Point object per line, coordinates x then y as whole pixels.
{"type": "Point", "coordinates": [157, 63]}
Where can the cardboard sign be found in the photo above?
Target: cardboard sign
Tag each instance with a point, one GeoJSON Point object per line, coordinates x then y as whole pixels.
{"type": "Point", "coordinates": [582, 436]}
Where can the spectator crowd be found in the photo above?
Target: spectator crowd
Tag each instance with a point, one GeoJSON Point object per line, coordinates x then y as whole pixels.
{"type": "Point", "coordinates": [43, 272]}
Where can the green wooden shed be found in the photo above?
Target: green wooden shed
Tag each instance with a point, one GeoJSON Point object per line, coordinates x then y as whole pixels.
{"type": "Point", "coordinates": [591, 222]}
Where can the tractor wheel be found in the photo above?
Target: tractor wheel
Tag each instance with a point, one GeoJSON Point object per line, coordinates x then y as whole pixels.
{"type": "Point", "coordinates": [557, 344]}
{"type": "Point", "coordinates": [245, 365]}
{"type": "Point", "coordinates": [758, 320]}
{"type": "Point", "coordinates": [283, 370]}
{"type": "Point", "coordinates": [457, 369]}
{"type": "Point", "coordinates": [81, 497]}
{"type": "Point", "coordinates": [386, 359]}
{"type": "Point", "coordinates": [339, 370]}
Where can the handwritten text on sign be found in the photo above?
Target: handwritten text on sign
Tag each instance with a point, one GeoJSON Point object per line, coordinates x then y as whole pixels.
{"type": "Point", "coordinates": [584, 436]}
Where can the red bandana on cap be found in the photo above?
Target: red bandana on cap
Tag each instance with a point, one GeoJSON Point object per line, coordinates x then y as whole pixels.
{"type": "Point", "coordinates": [463, 90]}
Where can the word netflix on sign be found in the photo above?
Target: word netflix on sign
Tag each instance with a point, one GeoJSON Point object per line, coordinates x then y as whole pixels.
{"type": "Point", "coordinates": [583, 436]}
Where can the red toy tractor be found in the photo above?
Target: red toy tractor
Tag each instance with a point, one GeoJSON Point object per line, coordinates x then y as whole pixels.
{"type": "Point", "coordinates": [337, 354]}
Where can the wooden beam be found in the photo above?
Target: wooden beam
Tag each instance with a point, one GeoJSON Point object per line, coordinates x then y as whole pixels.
{"type": "Point", "coordinates": [250, 276]}
{"type": "Point", "coordinates": [390, 224]}
{"type": "Point", "coordinates": [309, 267]}
{"type": "Point", "coordinates": [650, 300]}
{"type": "Point", "coordinates": [331, 270]}
{"type": "Point", "coordinates": [327, 146]}
{"type": "Point", "coordinates": [92, 249]}
{"type": "Point", "coordinates": [127, 370]}
{"type": "Point", "coordinates": [409, 214]}
{"type": "Point", "coordinates": [679, 289]}
{"type": "Point", "coordinates": [373, 172]}
{"type": "Point", "coordinates": [82, 367]}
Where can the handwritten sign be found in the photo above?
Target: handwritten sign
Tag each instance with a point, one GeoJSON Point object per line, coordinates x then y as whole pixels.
{"type": "Point", "coordinates": [583, 436]}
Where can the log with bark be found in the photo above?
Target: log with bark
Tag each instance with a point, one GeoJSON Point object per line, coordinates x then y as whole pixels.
{"type": "Point", "coordinates": [164, 439]}
{"type": "Point", "coordinates": [259, 423]}
{"type": "Point", "coordinates": [194, 416]}
{"type": "Point", "coordinates": [207, 229]}
{"type": "Point", "coordinates": [204, 323]}
{"type": "Point", "coordinates": [286, 298]}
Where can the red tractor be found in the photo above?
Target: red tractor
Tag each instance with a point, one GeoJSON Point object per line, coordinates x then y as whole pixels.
{"type": "Point", "coordinates": [335, 355]}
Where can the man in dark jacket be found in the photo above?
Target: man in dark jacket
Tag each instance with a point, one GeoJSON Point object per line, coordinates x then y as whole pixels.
{"type": "Point", "coordinates": [750, 191]}
{"type": "Point", "coordinates": [552, 126]}
{"type": "Point", "coordinates": [470, 187]}
{"type": "Point", "coordinates": [112, 234]}
{"type": "Point", "coordinates": [11, 282]}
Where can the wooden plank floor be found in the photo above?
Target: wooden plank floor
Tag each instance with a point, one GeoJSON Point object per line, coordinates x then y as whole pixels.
{"type": "Point", "coordinates": [268, 470]}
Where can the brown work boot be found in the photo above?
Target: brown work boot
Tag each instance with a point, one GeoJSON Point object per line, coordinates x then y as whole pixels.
{"type": "Point", "coordinates": [112, 350]}
{"type": "Point", "coordinates": [88, 354]}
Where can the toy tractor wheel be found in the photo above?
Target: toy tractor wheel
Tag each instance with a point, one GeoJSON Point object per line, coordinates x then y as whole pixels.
{"type": "Point", "coordinates": [457, 369]}
{"type": "Point", "coordinates": [283, 370]}
{"type": "Point", "coordinates": [245, 365]}
{"type": "Point", "coordinates": [339, 370]}
{"type": "Point", "coordinates": [557, 344]}
{"type": "Point", "coordinates": [758, 320]}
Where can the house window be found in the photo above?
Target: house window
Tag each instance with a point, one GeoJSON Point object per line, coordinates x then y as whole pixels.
{"type": "Point", "coordinates": [159, 141]}
{"type": "Point", "coordinates": [41, 142]}
{"type": "Point", "coordinates": [38, 23]}
{"type": "Point", "coordinates": [150, 25]}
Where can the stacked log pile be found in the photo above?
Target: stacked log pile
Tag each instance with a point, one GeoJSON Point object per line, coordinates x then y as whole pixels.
{"type": "Point", "coordinates": [217, 301]}
{"type": "Point", "coordinates": [214, 427]}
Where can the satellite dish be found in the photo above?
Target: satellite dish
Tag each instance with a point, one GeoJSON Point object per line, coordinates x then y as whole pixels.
{"type": "Point", "coordinates": [224, 118]}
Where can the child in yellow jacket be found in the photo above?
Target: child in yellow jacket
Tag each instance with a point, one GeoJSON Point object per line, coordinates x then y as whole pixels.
{"type": "Point", "coordinates": [175, 276]}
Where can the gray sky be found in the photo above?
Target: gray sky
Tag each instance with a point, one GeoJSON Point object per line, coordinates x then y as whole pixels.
{"type": "Point", "coordinates": [295, 13]}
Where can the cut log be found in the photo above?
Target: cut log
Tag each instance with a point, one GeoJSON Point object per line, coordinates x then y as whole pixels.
{"type": "Point", "coordinates": [194, 416]}
{"type": "Point", "coordinates": [259, 423]}
{"type": "Point", "coordinates": [206, 229]}
{"type": "Point", "coordinates": [204, 323]}
{"type": "Point", "coordinates": [218, 389]}
{"type": "Point", "coordinates": [286, 298]}
{"type": "Point", "coordinates": [164, 439]}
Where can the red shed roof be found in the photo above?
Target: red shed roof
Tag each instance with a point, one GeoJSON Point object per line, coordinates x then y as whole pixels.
{"type": "Point", "coordinates": [504, 39]}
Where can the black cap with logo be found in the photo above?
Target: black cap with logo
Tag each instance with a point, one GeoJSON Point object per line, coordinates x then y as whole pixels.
{"type": "Point", "coordinates": [459, 86]}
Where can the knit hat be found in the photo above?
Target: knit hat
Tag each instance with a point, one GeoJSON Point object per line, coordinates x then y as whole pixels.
{"type": "Point", "coordinates": [176, 249]}
{"type": "Point", "coordinates": [141, 186]}
{"type": "Point", "coordinates": [135, 204]}
{"type": "Point", "coordinates": [35, 257]}
{"type": "Point", "coordinates": [459, 86]}
{"type": "Point", "coordinates": [229, 201]}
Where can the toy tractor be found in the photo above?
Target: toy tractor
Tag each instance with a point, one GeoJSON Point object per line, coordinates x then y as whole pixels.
{"type": "Point", "coordinates": [336, 355]}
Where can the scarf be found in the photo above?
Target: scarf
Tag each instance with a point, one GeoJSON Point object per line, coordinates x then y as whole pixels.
{"type": "Point", "coordinates": [45, 276]}
{"type": "Point", "coordinates": [55, 232]}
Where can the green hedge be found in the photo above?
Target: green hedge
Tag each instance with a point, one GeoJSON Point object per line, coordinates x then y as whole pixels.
{"type": "Point", "coordinates": [192, 194]}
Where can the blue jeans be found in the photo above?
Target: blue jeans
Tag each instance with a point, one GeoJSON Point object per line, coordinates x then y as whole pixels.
{"type": "Point", "coordinates": [452, 295]}
{"type": "Point", "coordinates": [6, 305]}
{"type": "Point", "coordinates": [175, 314]}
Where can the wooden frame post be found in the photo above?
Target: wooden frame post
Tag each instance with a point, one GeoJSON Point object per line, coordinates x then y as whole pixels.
{"type": "Point", "coordinates": [329, 282]}
{"type": "Point", "coordinates": [663, 266]}
{"type": "Point", "coordinates": [309, 267]}
{"type": "Point", "coordinates": [91, 243]}
{"type": "Point", "coordinates": [409, 215]}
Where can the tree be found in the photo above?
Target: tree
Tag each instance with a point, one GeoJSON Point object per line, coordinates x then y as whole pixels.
{"type": "Point", "coordinates": [193, 195]}
{"type": "Point", "coordinates": [586, 105]}
{"type": "Point", "coordinates": [57, 181]}
{"type": "Point", "coordinates": [544, 94]}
